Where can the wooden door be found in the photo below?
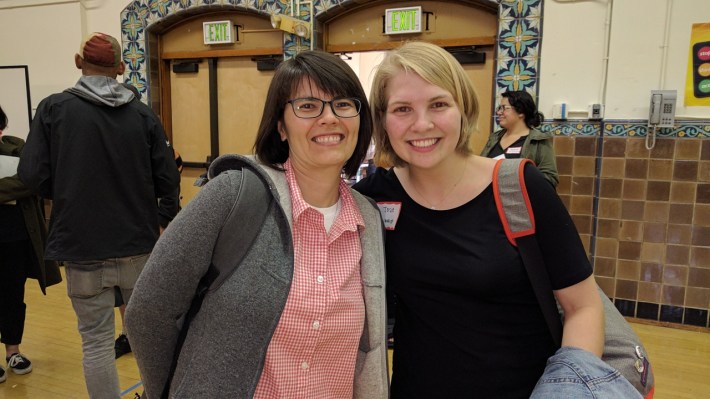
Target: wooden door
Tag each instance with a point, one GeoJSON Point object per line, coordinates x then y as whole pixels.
{"type": "Point", "coordinates": [190, 111]}
{"type": "Point", "coordinates": [240, 92]}
{"type": "Point", "coordinates": [212, 105]}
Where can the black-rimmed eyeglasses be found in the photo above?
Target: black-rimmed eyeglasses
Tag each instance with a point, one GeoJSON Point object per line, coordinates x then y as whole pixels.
{"type": "Point", "coordinates": [309, 107]}
{"type": "Point", "coordinates": [502, 108]}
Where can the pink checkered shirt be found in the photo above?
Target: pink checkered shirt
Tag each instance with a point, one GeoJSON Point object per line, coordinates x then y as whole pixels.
{"type": "Point", "coordinates": [312, 352]}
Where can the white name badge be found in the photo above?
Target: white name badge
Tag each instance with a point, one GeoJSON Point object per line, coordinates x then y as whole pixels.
{"type": "Point", "coordinates": [390, 213]}
{"type": "Point", "coordinates": [8, 165]}
{"type": "Point", "coordinates": [501, 156]}
{"type": "Point", "coordinates": [8, 168]}
{"type": "Point", "coordinates": [513, 150]}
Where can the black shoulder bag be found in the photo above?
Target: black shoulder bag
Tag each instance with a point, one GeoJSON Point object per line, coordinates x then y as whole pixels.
{"type": "Point", "coordinates": [233, 242]}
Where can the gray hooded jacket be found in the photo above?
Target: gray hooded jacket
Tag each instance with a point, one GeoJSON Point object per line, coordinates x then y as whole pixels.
{"type": "Point", "coordinates": [224, 351]}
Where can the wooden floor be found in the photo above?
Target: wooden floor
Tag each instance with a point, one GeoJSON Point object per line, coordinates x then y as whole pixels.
{"type": "Point", "coordinates": [680, 359]}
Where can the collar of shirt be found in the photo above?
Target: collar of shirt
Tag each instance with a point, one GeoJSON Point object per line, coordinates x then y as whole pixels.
{"type": "Point", "coordinates": [349, 218]}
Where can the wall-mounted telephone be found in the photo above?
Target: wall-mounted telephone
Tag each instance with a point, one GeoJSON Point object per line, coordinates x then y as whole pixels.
{"type": "Point", "coordinates": [662, 108]}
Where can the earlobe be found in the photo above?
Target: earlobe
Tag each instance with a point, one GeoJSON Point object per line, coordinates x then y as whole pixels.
{"type": "Point", "coordinates": [77, 61]}
{"type": "Point", "coordinates": [282, 131]}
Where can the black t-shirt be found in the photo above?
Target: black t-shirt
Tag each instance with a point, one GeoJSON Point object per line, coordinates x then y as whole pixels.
{"type": "Point", "coordinates": [513, 150]}
{"type": "Point", "coordinates": [467, 321]}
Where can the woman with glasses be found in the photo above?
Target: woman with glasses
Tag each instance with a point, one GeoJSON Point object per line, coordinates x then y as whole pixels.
{"type": "Point", "coordinates": [468, 324]}
{"type": "Point", "coordinates": [304, 314]}
{"type": "Point", "coordinates": [519, 138]}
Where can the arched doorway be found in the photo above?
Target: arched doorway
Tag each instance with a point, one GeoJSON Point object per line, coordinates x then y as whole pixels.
{"type": "Point", "coordinates": [515, 49]}
{"type": "Point", "coordinates": [212, 96]}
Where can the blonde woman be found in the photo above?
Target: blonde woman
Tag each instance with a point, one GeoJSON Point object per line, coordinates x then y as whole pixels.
{"type": "Point", "coordinates": [467, 321]}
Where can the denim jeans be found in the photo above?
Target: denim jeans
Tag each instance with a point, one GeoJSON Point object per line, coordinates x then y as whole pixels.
{"type": "Point", "coordinates": [576, 373]}
{"type": "Point", "coordinates": [90, 286]}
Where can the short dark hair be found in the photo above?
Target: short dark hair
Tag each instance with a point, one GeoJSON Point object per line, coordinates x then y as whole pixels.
{"type": "Point", "coordinates": [3, 119]}
{"type": "Point", "coordinates": [523, 102]}
{"type": "Point", "coordinates": [329, 73]}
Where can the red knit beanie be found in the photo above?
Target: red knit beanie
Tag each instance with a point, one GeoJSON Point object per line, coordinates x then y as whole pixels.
{"type": "Point", "coordinates": [100, 49]}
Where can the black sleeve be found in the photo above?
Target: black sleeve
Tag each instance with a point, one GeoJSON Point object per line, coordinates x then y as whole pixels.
{"type": "Point", "coordinates": [35, 164]}
{"type": "Point", "coordinates": [168, 207]}
{"type": "Point", "coordinates": [565, 257]}
{"type": "Point", "coordinates": [165, 174]}
{"type": "Point", "coordinates": [11, 189]}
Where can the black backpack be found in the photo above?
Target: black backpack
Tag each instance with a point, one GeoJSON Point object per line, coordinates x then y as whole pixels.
{"type": "Point", "coordinates": [252, 203]}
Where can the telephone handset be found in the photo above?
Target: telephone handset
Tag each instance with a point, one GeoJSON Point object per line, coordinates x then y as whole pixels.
{"type": "Point", "coordinates": [655, 116]}
{"type": "Point", "coordinates": [662, 109]}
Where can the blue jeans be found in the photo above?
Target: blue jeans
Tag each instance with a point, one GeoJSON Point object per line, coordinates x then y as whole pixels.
{"type": "Point", "coordinates": [576, 373]}
{"type": "Point", "coordinates": [90, 286]}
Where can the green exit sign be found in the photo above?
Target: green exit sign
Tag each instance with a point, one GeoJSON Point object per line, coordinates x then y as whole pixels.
{"type": "Point", "coordinates": [403, 20]}
{"type": "Point", "coordinates": [218, 32]}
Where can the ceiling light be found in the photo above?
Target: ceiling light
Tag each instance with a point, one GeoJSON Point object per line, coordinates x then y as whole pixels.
{"type": "Point", "coordinates": [290, 24]}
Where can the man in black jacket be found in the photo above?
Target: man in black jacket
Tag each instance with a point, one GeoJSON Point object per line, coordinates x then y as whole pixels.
{"type": "Point", "coordinates": [103, 159]}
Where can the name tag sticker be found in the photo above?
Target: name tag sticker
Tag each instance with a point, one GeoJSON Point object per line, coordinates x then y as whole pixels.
{"type": "Point", "coordinates": [390, 213]}
{"type": "Point", "coordinates": [513, 150]}
{"type": "Point", "coordinates": [501, 156]}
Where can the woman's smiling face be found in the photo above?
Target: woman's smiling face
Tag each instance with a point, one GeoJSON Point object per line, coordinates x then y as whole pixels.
{"type": "Point", "coordinates": [507, 116]}
{"type": "Point", "coordinates": [422, 120]}
{"type": "Point", "coordinates": [321, 142]}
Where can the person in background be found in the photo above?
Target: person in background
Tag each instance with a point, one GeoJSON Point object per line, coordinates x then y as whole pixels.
{"type": "Point", "coordinates": [168, 207]}
{"type": "Point", "coordinates": [103, 159]}
{"type": "Point", "coordinates": [303, 315]}
{"type": "Point", "coordinates": [519, 138]}
{"type": "Point", "coordinates": [22, 238]}
{"type": "Point", "coordinates": [468, 323]}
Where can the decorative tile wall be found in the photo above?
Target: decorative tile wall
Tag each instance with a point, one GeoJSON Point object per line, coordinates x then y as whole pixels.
{"type": "Point", "coordinates": [519, 36]}
{"type": "Point", "coordinates": [644, 215]}
{"type": "Point", "coordinates": [517, 53]}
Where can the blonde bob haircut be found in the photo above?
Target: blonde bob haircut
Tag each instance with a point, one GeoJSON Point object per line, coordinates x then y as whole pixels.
{"type": "Point", "coordinates": [438, 67]}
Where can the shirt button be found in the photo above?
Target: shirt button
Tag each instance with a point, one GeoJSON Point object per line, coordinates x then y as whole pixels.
{"type": "Point", "coordinates": [304, 365]}
{"type": "Point", "coordinates": [320, 279]}
{"type": "Point", "coordinates": [316, 325]}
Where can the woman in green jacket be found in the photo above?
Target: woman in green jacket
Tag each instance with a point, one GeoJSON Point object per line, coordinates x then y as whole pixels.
{"type": "Point", "coordinates": [22, 239]}
{"type": "Point", "coordinates": [519, 138]}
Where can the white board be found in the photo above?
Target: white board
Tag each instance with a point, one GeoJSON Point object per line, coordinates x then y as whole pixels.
{"type": "Point", "coordinates": [15, 99]}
